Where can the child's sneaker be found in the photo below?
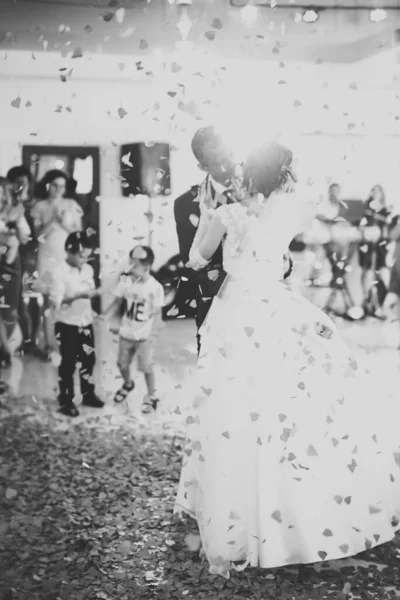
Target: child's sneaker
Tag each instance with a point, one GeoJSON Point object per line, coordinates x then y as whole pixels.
{"type": "Point", "coordinates": [123, 392]}
{"type": "Point", "coordinates": [93, 401]}
{"type": "Point", "coordinates": [149, 405]}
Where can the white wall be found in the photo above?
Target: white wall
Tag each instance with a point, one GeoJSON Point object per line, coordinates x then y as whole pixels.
{"type": "Point", "coordinates": [358, 144]}
{"type": "Point", "coordinates": [93, 120]}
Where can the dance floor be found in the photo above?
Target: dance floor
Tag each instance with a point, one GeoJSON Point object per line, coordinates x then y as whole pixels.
{"type": "Point", "coordinates": [33, 383]}
{"type": "Point", "coordinates": [109, 459]}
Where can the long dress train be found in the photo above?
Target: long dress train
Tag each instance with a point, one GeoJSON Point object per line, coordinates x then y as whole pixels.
{"type": "Point", "coordinates": [290, 453]}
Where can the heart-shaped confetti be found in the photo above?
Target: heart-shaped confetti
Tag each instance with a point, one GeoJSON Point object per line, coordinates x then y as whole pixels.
{"type": "Point", "coordinates": [217, 24]}
{"type": "Point", "coordinates": [210, 35]}
{"type": "Point", "coordinates": [16, 103]}
{"type": "Point", "coordinates": [77, 53]}
{"type": "Point", "coordinates": [276, 515]}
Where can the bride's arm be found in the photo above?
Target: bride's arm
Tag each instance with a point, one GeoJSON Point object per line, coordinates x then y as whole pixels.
{"type": "Point", "coordinates": [203, 226]}
{"type": "Point", "coordinates": [201, 254]}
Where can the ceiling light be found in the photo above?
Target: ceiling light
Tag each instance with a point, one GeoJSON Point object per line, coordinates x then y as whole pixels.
{"type": "Point", "coordinates": [377, 15]}
{"type": "Point", "coordinates": [184, 24]}
{"type": "Point", "coordinates": [249, 13]}
{"type": "Point", "coordinates": [310, 16]}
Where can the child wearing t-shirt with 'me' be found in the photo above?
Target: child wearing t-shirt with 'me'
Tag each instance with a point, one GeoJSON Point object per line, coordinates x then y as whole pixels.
{"type": "Point", "coordinates": [143, 298]}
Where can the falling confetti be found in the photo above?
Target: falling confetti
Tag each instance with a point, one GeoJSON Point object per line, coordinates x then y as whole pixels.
{"type": "Point", "coordinates": [107, 17]}
{"type": "Point", "coordinates": [276, 515]}
{"type": "Point", "coordinates": [217, 24]}
{"type": "Point", "coordinates": [120, 15]}
{"type": "Point", "coordinates": [127, 33]}
{"type": "Point", "coordinates": [176, 67]}
{"type": "Point", "coordinates": [249, 331]}
{"type": "Point", "coordinates": [193, 542]}
{"type": "Point", "coordinates": [210, 35]}
{"type": "Point", "coordinates": [77, 53]}
{"type": "Point", "coordinates": [16, 103]}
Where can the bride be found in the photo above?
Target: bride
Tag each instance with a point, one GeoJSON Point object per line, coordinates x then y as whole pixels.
{"type": "Point", "coordinates": [290, 452]}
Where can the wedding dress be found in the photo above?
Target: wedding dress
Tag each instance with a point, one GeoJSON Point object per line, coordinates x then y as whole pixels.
{"type": "Point", "coordinates": [290, 452]}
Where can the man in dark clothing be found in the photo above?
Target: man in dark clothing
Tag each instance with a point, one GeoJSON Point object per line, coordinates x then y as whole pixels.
{"type": "Point", "coordinates": [21, 181]}
{"type": "Point", "coordinates": [215, 159]}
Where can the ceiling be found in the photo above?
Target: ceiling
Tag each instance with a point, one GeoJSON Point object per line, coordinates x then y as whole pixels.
{"type": "Point", "coordinates": [141, 27]}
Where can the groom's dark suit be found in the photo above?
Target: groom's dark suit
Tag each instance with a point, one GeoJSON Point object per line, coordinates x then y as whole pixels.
{"type": "Point", "coordinates": [186, 208]}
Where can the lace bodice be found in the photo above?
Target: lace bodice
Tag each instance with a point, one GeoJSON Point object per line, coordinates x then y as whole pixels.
{"type": "Point", "coordinates": [258, 243]}
{"type": "Point", "coordinates": [238, 223]}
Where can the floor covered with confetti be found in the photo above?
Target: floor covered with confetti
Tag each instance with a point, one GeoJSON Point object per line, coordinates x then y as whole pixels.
{"type": "Point", "coordinates": [88, 502]}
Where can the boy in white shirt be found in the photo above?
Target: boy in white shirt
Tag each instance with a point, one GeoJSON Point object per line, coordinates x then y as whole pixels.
{"type": "Point", "coordinates": [143, 297]}
{"type": "Point", "coordinates": [72, 289]}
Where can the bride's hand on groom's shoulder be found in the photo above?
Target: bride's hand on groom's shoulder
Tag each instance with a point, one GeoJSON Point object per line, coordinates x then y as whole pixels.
{"type": "Point", "coordinates": [239, 193]}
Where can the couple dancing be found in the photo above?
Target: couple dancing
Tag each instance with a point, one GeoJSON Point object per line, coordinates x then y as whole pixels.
{"type": "Point", "coordinates": [291, 449]}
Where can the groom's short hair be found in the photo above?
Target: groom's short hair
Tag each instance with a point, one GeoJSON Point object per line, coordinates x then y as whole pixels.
{"type": "Point", "coordinates": [206, 142]}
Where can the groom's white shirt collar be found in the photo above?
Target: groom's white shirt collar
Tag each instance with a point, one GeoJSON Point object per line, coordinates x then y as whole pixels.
{"type": "Point", "coordinates": [218, 187]}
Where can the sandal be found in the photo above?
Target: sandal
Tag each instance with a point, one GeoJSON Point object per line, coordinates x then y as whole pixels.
{"type": "Point", "coordinates": [124, 392]}
{"type": "Point", "coordinates": [149, 405]}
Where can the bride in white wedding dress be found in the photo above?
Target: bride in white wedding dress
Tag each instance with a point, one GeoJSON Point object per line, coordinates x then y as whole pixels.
{"type": "Point", "coordinates": [290, 453]}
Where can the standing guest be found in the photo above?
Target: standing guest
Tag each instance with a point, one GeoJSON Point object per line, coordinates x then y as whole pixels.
{"type": "Point", "coordinates": [328, 214]}
{"type": "Point", "coordinates": [14, 231]}
{"type": "Point", "coordinates": [72, 289]}
{"type": "Point", "coordinates": [215, 159]}
{"type": "Point", "coordinates": [392, 300]}
{"type": "Point", "coordinates": [143, 298]}
{"type": "Point", "coordinates": [329, 211]}
{"type": "Point", "coordinates": [54, 218]}
{"type": "Point", "coordinates": [21, 182]}
{"type": "Point", "coordinates": [373, 255]}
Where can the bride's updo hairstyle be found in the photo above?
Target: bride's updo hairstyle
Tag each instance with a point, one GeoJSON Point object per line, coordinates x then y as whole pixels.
{"type": "Point", "coordinates": [268, 169]}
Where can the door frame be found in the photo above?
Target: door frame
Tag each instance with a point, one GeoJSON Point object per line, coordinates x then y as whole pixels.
{"type": "Point", "coordinates": [74, 151]}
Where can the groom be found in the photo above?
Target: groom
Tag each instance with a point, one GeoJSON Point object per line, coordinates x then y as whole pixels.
{"type": "Point", "coordinates": [215, 159]}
